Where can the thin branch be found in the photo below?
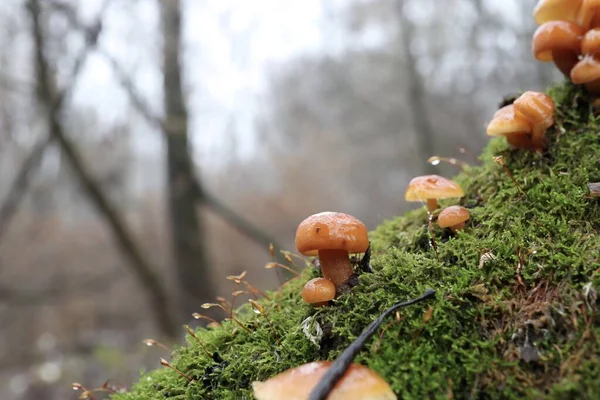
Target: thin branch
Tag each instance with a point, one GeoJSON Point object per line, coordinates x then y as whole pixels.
{"type": "Point", "coordinates": [19, 187]}
{"type": "Point", "coordinates": [341, 364]}
{"type": "Point", "coordinates": [141, 266]}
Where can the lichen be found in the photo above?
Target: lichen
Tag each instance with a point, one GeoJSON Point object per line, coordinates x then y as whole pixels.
{"type": "Point", "coordinates": [515, 314]}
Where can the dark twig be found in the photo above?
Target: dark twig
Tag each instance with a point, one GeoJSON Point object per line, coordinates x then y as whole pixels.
{"type": "Point", "coordinates": [365, 262]}
{"type": "Point", "coordinates": [341, 364]}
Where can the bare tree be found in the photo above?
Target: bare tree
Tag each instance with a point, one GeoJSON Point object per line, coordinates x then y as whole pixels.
{"type": "Point", "coordinates": [189, 246]}
{"type": "Point", "coordinates": [51, 102]}
{"type": "Point", "coordinates": [416, 91]}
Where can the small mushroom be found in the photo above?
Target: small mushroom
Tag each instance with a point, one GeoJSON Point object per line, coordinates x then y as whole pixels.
{"type": "Point", "coordinates": [558, 41]}
{"type": "Point", "coordinates": [552, 10]}
{"type": "Point", "coordinates": [333, 235]}
{"type": "Point", "coordinates": [359, 382]}
{"type": "Point", "coordinates": [431, 188]}
{"type": "Point", "coordinates": [318, 292]}
{"type": "Point", "coordinates": [587, 70]}
{"type": "Point", "coordinates": [453, 217]}
{"type": "Point", "coordinates": [538, 109]}
{"type": "Point", "coordinates": [514, 127]}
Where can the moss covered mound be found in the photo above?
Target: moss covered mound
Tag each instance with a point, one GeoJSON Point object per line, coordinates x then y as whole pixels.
{"type": "Point", "coordinates": [515, 314]}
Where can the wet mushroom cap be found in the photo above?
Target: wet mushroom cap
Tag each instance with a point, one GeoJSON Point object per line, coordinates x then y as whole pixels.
{"type": "Point", "coordinates": [590, 43]}
{"type": "Point", "coordinates": [506, 122]}
{"type": "Point", "coordinates": [318, 290]}
{"type": "Point", "coordinates": [359, 382]}
{"type": "Point", "coordinates": [556, 35]}
{"type": "Point", "coordinates": [586, 70]}
{"type": "Point", "coordinates": [552, 10]}
{"type": "Point", "coordinates": [588, 15]}
{"type": "Point", "coordinates": [453, 215]}
{"type": "Point", "coordinates": [331, 231]}
{"type": "Point", "coordinates": [537, 107]}
{"type": "Point", "coordinates": [426, 187]}
{"type": "Point", "coordinates": [558, 41]}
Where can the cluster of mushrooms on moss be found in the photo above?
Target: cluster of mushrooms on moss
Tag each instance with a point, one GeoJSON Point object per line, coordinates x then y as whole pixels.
{"type": "Point", "coordinates": [569, 35]}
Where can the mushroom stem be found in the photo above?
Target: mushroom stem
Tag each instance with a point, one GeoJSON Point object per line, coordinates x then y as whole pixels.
{"type": "Point", "coordinates": [537, 137]}
{"type": "Point", "coordinates": [457, 227]}
{"type": "Point", "coordinates": [432, 205]}
{"type": "Point", "coordinates": [565, 60]}
{"type": "Point", "coordinates": [335, 266]}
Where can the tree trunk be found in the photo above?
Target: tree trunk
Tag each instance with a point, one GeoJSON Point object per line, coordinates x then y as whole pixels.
{"type": "Point", "coordinates": [416, 94]}
{"type": "Point", "coordinates": [188, 244]}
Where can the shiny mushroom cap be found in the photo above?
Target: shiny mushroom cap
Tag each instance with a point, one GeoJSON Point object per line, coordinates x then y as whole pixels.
{"type": "Point", "coordinates": [587, 70]}
{"type": "Point", "coordinates": [332, 231]}
{"type": "Point", "coordinates": [318, 290]}
{"type": "Point", "coordinates": [432, 187]}
{"type": "Point", "coordinates": [505, 122]}
{"type": "Point", "coordinates": [590, 43]}
{"type": "Point", "coordinates": [453, 215]}
{"type": "Point", "coordinates": [537, 108]}
{"type": "Point", "coordinates": [589, 14]}
{"type": "Point", "coordinates": [358, 383]}
{"type": "Point", "coordinates": [558, 41]}
{"type": "Point", "coordinates": [552, 10]}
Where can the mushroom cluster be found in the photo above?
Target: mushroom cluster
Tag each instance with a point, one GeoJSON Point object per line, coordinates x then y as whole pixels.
{"type": "Point", "coordinates": [431, 188]}
{"type": "Point", "coordinates": [524, 123]}
{"type": "Point", "coordinates": [569, 35]}
{"type": "Point", "coordinates": [333, 236]}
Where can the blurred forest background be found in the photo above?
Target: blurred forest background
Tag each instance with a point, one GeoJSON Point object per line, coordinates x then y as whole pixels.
{"type": "Point", "coordinates": [137, 173]}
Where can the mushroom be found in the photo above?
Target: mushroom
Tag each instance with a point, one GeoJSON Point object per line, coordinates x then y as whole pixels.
{"type": "Point", "coordinates": [359, 382]}
{"type": "Point", "coordinates": [514, 127]}
{"type": "Point", "coordinates": [318, 292]}
{"type": "Point", "coordinates": [587, 70]}
{"type": "Point", "coordinates": [588, 15]}
{"type": "Point", "coordinates": [552, 10]}
{"type": "Point", "coordinates": [558, 41]}
{"type": "Point", "coordinates": [538, 109]}
{"type": "Point", "coordinates": [333, 235]}
{"type": "Point", "coordinates": [432, 188]}
{"type": "Point", "coordinates": [453, 217]}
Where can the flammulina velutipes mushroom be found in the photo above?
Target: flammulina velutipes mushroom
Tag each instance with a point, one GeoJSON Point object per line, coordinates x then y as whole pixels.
{"type": "Point", "coordinates": [333, 235]}
{"type": "Point", "coordinates": [430, 189]}
{"type": "Point", "coordinates": [568, 36]}
{"type": "Point", "coordinates": [524, 123]}
{"type": "Point", "coordinates": [453, 217]}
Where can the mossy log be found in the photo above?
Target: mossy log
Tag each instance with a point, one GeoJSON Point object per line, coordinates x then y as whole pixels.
{"type": "Point", "coordinates": [516, 313]}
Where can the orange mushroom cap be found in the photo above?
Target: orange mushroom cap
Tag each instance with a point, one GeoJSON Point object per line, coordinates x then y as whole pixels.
{"type": "Point", "coordinates": [536, 107]}
{"type": "Point", "coordinates": [332, 231]}
{"type": "Point", "coordinates": [558, 41]}
{"type": "Point", "coordinates": [432, 187]}
{"type": "Point", "coordinates": [553, 10]}
{"type": "Point", "coordinates": [590, 43]}
{"type": "Point", "coordinates": [453, 215]}
{"type": "Point", "coordinates": [318, 290]}
{"type": "Point", "coordinates": [586, 70]}
{"type": "Point", "coordinates": [359, 382]}
{"type": "Point", "coordinates": [588, 15]}
{"type": "Point", "coordinates": [506, 122]}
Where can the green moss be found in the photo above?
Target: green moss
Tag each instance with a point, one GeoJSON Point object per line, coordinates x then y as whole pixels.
{"type": "Point", "coordinates": [512, 283]}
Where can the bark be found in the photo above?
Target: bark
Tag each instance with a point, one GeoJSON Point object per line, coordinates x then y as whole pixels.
{"type": "Point", "coordinates": [188, 236]}
{"type": "Point", "coordinates": [51, 103]}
